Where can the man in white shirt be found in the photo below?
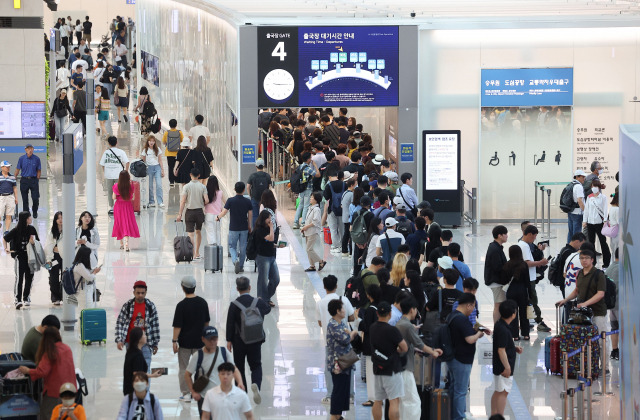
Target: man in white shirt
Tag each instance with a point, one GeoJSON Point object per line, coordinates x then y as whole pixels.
{"type": "Point", "coordinates": [197, 131]}
{"type": "Point", "coordinates": [330, 283]}
{"type": "Point", "coordinates": [575, 216]}
{"type": "Point", "coordinates": [65, 30]}
{"type": "Point", "coordinates": [226, 401]}
{"type": "Point", "coordinates": [121, 53]}
{"type": "Point", "coordinates": [80, 62]}
{"type": "Point", "coordinates": [113, 160]}
{"type": "Point", "coordinates": [389, 241]}
{"type": "Point", "coordinates": [528, 238]}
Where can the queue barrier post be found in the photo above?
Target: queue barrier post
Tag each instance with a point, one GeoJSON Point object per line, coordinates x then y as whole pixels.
{"type": "Point", "coordinates": [548, 216]}
{"type": "Point", "coordinates": [580, 401]}
{"type": "Point", "coordinates": [535, 203]}
{"type": "Point", "coordinates": [590, 379]}
{"type": "Point", "coordinates": [563, 397]}
{"type": "Point", "coordinates": [565, 371]}
{"type": "Point", "coordinates": [542, 208]}
{"type": "Point", "coordinates": [571, 392]}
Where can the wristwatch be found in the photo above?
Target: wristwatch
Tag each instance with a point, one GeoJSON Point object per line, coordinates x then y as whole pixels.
{"type": "Point", "coordinates": [174, 341]}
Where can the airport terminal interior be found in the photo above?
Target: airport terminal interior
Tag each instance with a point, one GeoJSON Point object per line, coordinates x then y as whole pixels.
{"type": "Point", "coordinates": [492, 108]}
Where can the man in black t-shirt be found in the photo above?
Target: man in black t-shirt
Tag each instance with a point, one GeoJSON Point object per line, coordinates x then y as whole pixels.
{"type": "Point", "coordinates": [386, 344]}
{"type": "Point", "coordinates": [190, 317]}
{"type": "Point", "coordinates": [241, 212]}
{"type": "Point", "coordinates": [463, 340]}
{"type": "Point", "coordinates": [449, 295]}
{"type": "Point", "coordinates": [504, 356]}
{"type": "Point", "coordinates": [258, 182]}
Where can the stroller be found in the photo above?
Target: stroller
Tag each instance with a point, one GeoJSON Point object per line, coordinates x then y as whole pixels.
{"type": "Point", "coordinates": [105, 42]}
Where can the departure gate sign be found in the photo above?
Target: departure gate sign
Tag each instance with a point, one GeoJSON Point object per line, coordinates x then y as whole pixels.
{"type": "Point", "coordinates": [328, 66]}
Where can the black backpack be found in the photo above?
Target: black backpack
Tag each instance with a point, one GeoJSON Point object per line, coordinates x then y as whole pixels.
{"type": "Point", "coordinates": [297, 184]}
{"type": "Point", "coordinates": [567, 204]}
{"type": "Point", "coordinates": [354, 291]}
{"type": "Point", "coordinates": [556, 268]}
{"type": "Point", "coordinates": [252, 249]}
{"type": "Point", "coordinates": [610, 293]}
{"type": "Point", "coordinates": [148, 109]}
{"type": "Point", "coordinates": [442, 338]}
{"type": "Point", "coordinates": [404, 227]}
{"type": "Point", "coordinates": [336, 201]}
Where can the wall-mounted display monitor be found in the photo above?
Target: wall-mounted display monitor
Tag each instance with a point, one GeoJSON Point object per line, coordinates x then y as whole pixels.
{"type": "Point", "coordinates": [150, 67]}
{"type": "Point", "coordinates": [327, 66]}
{"type": "Point", "coordinates": [441, 157]}
{"type": "Point", "coordinates": [22, 120]}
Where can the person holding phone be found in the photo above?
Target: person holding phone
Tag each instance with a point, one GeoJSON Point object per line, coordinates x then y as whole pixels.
{"type": "Point", "coordinates": [134, 360]}
{"type": "Point", "coordinates": [266, 240]}
{"type": "Point", "coordinates": [53, 257]}
{"type": "Point", "coordinates": [82, 273]}
{"type": "Point", "coordinates": [68, 410]}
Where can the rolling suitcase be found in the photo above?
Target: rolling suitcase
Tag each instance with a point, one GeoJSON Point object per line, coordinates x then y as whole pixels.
{"type": "Point", "coordinates": [573, 337]}
{"type": "Point", "coordinates": [136, 196]}
{"type": "Point", "coordinates": [440, 404]}
{"type": "Point", "coordinates": [552, 362]}
{"type": "Point", "coordinates": [213, 257]}
{"type": "Point", "coordinates": [93, 326]}
{"type": "Point", "coordinates": [182, 247]}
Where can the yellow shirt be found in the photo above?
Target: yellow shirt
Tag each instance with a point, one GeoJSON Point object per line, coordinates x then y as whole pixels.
{"type": "Point", "coordinates": [78, 411]}
{"type": "Point", "coordinates": [167, 152]}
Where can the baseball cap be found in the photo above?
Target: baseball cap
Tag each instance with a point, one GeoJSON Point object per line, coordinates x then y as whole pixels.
{"type": "Point", "coordinates": [347, 176]}
{"type": "Point", "coordinates": [399, 203]}
{"type": "Point", "coordinates": [188, 281]}
{"type": "Point", "coordinates": [28, 145]}
{"type": "Point", "coordinates": [390, 221]}
{"type": "Point", "coordinates": [392, 176]}
{"type": "Point", "coordinates": [445, 262]}
{"type": "Point", "coordinates": [68, 387]}
{"type": "Point", "coordinates": [365, 200]}
{"type": "Point", "coordinates": [209, 332]}
{"type": "Point", "coordinates": [356, 134]}
{"type": "Point", "coordinates": [6, 163]}
{"type": "Point", "coordinates": [378, 160]}
{"type": "Point", "coordinates": [259, 162]}
{"type": "Point", "coordinates": [139, 283]}
{"type": "Point", "coordinates": [579, 172]}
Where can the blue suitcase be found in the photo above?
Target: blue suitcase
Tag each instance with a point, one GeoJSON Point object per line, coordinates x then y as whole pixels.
{"type": "Point", "coordinates": [93, 326]}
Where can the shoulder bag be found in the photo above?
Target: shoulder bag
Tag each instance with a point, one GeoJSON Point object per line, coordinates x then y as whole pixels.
{"type": "Point", "coordinates": [116, 156]}
{"type": "Point", "coordinates": [610, 231]}
{"type": "Point", "coordinates": [175, 171]}
{"type": "Point", "coordinates": [203, 380]}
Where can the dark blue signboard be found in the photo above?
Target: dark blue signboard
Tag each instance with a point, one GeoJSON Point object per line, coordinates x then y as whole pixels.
{"type": "Point", "coordinates": [72, 148]}
{"type": "Point", "coordinates": [248, 153]}
{"type": "Point", "coordinates": [348, 66]}
{"type": "Point", "coordinates": [407, 152]}
{"type": "Point", "coordinates": [527, 87]}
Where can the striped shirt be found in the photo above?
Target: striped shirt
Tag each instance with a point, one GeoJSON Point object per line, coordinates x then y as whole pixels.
{"type": "Point", "coordinates": [7, 183]}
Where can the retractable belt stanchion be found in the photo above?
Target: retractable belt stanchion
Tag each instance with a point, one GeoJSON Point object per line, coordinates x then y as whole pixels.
{"type": "Point", "coordinates": [589, 378]}
{"type": "Point", "coordinates": [570, 392]}
{"type": "Point", "coordinates": [542, 216]}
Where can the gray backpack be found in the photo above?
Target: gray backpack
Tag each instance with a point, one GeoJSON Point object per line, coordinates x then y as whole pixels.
{"type": "Point", "coordinates": [173, 140]}
{"type": "Point", "coordinates": [251, 321]}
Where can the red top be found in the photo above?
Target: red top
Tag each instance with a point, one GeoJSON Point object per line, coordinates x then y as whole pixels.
{"type": "Point", "coordinates": [56, 374]}
{"type": "Point", "coordinates": [137, 320]}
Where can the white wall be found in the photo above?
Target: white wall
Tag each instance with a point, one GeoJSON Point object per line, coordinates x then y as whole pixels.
{"type": "Point", "coordinates": [100, 12]}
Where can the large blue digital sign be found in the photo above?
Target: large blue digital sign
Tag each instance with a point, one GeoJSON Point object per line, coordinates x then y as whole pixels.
{"type": "Point", "coordinates": [348, 66]}
{"type": "Point", "coordinates": [527, 87]}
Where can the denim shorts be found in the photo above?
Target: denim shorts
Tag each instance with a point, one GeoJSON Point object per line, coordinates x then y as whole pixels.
{"type": "Point", "coordinates": [103, 115]}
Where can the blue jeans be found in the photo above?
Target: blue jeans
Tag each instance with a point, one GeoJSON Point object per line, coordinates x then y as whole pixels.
{"type": "Point", "coordinates": [267, 270]}
{"type": "Point", "coordinates": [303, 206]}
{"type": "Point", "coordinates": [575, 225]}
{"type": "Point", "coordinates": [256, 211]}
{"type": "Point", "coordinates": [238, 246]}
{"type": "Point", "coordinates": [459, 374]}
{"type": "Point", "coordinates": [155, 178]}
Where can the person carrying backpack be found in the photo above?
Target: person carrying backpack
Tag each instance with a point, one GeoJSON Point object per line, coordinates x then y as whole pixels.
{"type": "Point", "coordinates": [141, 401]}
{"type": "Point", "coordinates": [243, 333]}
{"type": "Point", "coordinates": [302, 184]}
{"type": "Point", "coordinates": [333, 207]}
{"type": "Point", "coordinates": [258, 182]}
{"type": "Point", "coordinates": [572, 202]}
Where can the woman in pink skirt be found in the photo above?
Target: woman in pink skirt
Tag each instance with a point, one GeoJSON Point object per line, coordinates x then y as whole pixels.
{"type": "Point", "coordinates": [124, 220]}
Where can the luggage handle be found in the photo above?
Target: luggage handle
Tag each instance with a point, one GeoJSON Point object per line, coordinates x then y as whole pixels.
{"type": "Point", "coordinates": [177, 230]}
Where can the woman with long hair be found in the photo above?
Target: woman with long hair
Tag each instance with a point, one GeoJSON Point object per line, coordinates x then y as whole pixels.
{"type": "Point", "coordinates": [53, 257]}
{"type": "Point", "coordinates": [103, 111]}
{"type": "Point", "coordinates": [298, 144]}
{"type": "Point", "coordinates": [351, 124]}
{"type": "Point", "coordinates": [212, 209]}
{"type": "Point", "coordinates": [134, 360]}
{"type": "Point", "coordinates": [152, 156]}
{"type": "Point", "coordinates": [124, 219]}
{"type": "Point", "coordinates": [375, 229]}
{"type": "Point", "coordinates": [516, 273]}
{"type": "Point", "coordinates": [614, 219]}
{"type": "Point", "coordinates": [595, 210]}
{"type": "Point", "coordinates": [311, 231]}
{"type": "Point", "coordinates": [84, 277]}
{"type": "Point", "coordinates": [15, 243]}
{"type": "Point", "coordinates": [185, 161]}
{"type": "Point", "coordinates": [433, 242]}
{"type": "Point", "coordinates": [121, 98]}
{"type": "Point", "coordinates": [205, 157]}
{"type": "Point", "coordinates": [61, 111]}
{"type": "Point", "coordinates": [413, 284]}
{"type": "Point", "coordinates": [54, 361]}
{"type": "Point", "coordinates": [141, 400]}
{"type": "Point", "coordinates": [87, 235]}
{"type": "Point", "coordinates": [266, 243]}
{"type": "Point", "coordinates": [399, 268]}
{"type": "Point", "coordinates": [78, 30]}
{"type": "Point", "coordinates": [269, 203]}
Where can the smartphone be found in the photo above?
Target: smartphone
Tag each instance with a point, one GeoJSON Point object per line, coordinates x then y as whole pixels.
{"type": "Point", "coordinates": [161, 371]}
{"type": "Point", "coordinates": [282, 244]}
{"type": "Point", "coordinates": [483, 329]}
{"type": "Point", "coordinates": [544, 242]}
{"type": "Point", "coordinates": [100, 266]}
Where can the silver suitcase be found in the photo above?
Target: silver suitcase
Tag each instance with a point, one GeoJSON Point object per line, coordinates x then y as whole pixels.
{"type": "Point", "coordinates": [213, 256]}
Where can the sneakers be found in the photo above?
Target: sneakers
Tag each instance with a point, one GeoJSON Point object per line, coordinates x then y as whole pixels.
{"type": "Point", "coordinates": [326, 401]}
{"type": "Point", "coordinates": [615, 354]}
{"type": "Point", "coordinates": [152, 205]}
{"type": "Point", "coordinates": [296, 226]}
{"type": "Point", "coordinates": [171, 185]}
{"type": "Point", "coordinates": [161, 205]}
{"type": "Point", "coordinates": [256, 394]}
{"type": "Point", "coordinates": [336, 251]}
{"type": "Point", "coordinates": [345, 255]}
{"type": "Point", "coordinates": [542, 327]}
{"type": "Point", "coordinates": [238, 268]}
{"type": "Point", "coordinates": [27, 302]}
{"type": "Point", "coordinates": [18, 305]}
{"type": "Point", "coordinates": [185, 398]}
{"type": "Point", "coordinates": [352, 400]}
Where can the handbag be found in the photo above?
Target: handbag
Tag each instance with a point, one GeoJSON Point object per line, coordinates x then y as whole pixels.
{"type": "Point", "coordinates": [506, 286]}
{"type": "Point", "coordinates": [610, 231]}
{"type": "Point", "coordinates": [346, 360]}
{"type": "Point", "coordinates": [531, 314]}
{"type": "Point", "coordinates": [581, 316]}
{"type": "Point", "coordinates": [115, 100]}
{"type": "Point", "coordinates": [203, 380]}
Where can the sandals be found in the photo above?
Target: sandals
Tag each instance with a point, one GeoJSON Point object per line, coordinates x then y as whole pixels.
{"type": "Point", "coordinates": [272, 304]}
{"type": "Point", "coordinates": [312, 268]}
{"type": "Point", "coordinates": [321, 265]}
{"type": "Point", "coordinates": [516, 339]}
{"type": "Point", "coordinates": [526, 338]}
{"type": "Point", "coordinates": [368, 403]}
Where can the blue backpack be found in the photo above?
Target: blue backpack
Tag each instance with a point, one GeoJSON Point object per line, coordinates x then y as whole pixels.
{"type": "Point", "coordinates": [68, 282]}
{"type": "Point", "coordinates": [336, 201]}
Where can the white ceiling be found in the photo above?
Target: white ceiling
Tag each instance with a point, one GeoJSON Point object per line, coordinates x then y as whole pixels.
{"type": "Point", "coordinates": [427, 12]}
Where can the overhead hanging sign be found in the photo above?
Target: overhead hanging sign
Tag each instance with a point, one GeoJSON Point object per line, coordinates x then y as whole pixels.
{"type": "Point", "coordinates": [527, 87]}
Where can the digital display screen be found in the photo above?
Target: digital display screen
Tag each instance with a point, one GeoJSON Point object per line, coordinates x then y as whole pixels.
{"type": "Point", "coordinates": [150, 68]}
{"type": "Point", "coordinates": [22, 120]}
{"type": "Point", "coordinates": [527, 87]}
{"type": "Point", "coordinates": [441, 166]}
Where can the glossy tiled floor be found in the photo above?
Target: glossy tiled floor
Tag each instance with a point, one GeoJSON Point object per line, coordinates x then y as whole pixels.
{"type": "Point", "coordinates": [293, 355]}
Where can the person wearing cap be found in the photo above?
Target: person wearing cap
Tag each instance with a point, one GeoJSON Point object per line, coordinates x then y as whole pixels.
{"type": "Point", "coordinates": [347, 198]}
{"type": "Point", "coordinates": [113, 160]}
{"type": "Point", "coordinates": [186, 159]}
{"type": "Point", "coordinates": [189, 319]}
{"type": "Point", "coordinates": [258, 182]}
{"type": "Point", "coordinates": [206, 361]}
{"type": "Point", "coordinates": [241, 350]}
{"type": "Point", "coordinates": [386, 346]}
{"type": "Point", "coordinates": [393, 182]}
{"type": "Point", "coordinates": [389, 241]}
{"type": "Point", "coordinates": [192, 201]}
{"type": "Point", "coordinates": [407, 193]}
{"type": "Point", "coordinates": [333, 192]}
{"type": "Point", "coordinates": [139, 312]}
{"type": "Point", "coordinates": [575, 216]}
{"type": "Point", "coordinates": [29, 165]}
{"type": "Point", "coordinates": [33, 337]}
{"type": "Point", "coordinates": [405, 225]}
{"type": "Point", "coordinates": [8, 194]}
{"type": "Point", "coordinates": [68, 409]}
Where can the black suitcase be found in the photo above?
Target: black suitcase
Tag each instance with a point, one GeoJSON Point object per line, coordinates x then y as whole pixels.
{"type": "Point", "coordinates": [213, 258]}
{"type": "Point", "coordinates": [182, 247]}
{"type": "Point", "coordinates": [436, 403]}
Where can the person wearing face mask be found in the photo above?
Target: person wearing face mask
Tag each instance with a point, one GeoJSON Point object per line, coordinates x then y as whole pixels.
{"type": "Point", "coordinates": [68, 410]}
{"type": "Point", "coordinates": [134, 360]}
{"type": "Point", "coordinates": [140, 404]}
{"type": "Point", "coordinates": [596, 170]}
{"type": "Point", "coordinates": [593, 219]}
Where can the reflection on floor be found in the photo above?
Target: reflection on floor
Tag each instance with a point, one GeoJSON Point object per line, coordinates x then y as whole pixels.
{"type": "Point", "coordinates": [293, 355]}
